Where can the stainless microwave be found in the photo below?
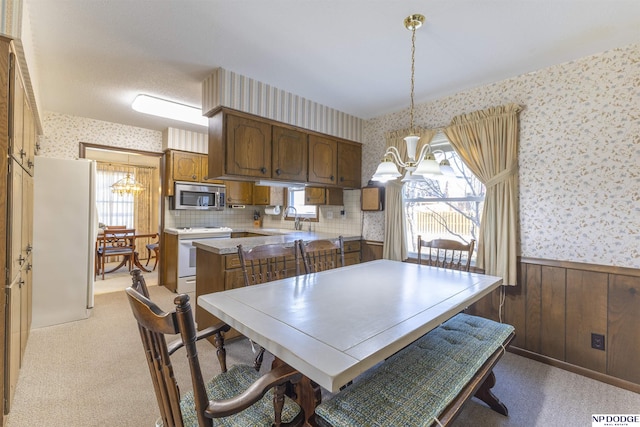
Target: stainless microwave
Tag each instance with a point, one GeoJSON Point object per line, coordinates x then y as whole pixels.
{"type": "Point", "coordinates": [197, 196]}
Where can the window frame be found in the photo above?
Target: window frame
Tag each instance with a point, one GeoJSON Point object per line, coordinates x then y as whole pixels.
{"type": "Point", "coordinates": [288, 215]}
{"type": "Point", "coordinates": [475, 195]}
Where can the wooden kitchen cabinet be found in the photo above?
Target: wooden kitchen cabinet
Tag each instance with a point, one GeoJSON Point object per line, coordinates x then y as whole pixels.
{"type": "Point", "coordinates": [352, 249]}
{"type": "Point", "coordinates": [261, 195]}
{"type": "Point", "coordinates": [239, 192]}
{"type": "Point", "coordinates": [323, 160]}
{"type": "Point", "coordinates": [289, 154]}
{"type": "Point", "coordinates": [323, 196]}
{"type": "Point", "coordinates": [247, 193]}
{"type": "Point", "coordinates": [17, 150]}
{"type": "Point", "coordinates": [349, 164]}
{"type": "Point", "coordinates": [248, 147]}
{"type": "Point", "coordinates": [186, 166]}
{"type": "Point", "coordinates": [254, 148]}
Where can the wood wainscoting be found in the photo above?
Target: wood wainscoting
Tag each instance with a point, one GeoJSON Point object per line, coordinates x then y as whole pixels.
{"type": "Point", "coordinates": [558, 305]}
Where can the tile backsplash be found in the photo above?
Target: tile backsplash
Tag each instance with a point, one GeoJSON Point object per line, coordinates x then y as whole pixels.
{"type": "Point", "coordinates": [331, 219]}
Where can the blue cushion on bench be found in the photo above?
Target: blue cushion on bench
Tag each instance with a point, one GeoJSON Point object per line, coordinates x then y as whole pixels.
{"type": "Point", "coordinates": [416, 384]}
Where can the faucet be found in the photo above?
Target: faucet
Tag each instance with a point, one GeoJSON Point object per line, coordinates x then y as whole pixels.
{"type": "Point", "coordinates": [296, 220]}
{"type": "Point", "coordinates": [308, 220]}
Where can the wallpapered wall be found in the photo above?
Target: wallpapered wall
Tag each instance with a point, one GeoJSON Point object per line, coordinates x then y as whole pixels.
{"type": "Point", "coordinates": [579, 155]}
{"type": "Point", "coordinates": [62, 133]}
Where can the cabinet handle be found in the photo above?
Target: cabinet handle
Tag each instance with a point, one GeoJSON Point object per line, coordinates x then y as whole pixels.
{"type": "Point", "coordinates": [278, 171]}
{"type": "Point", "coordinates": [193, 176]}
{"type": "Point", "coordinates": [342, 179]}
{"type": "Point", "coordinates": [30, 164]}
{"type": "Point", "coordinates": [263, 170]}
{"type": "Point", "coordinates": [308, 198]}
{"type": "Point", "coordinates": [21, 259]}
{"type": "Point", "coordinates": [29, 248]}
{"type": "Point", "coordinates": [332, 177]}
{"type": "Point", "coordinates": [20, 283]}
{"type": "Point", "coordinates": [29, 267]}
{"type": "Point", "coordinates": [22, 153]}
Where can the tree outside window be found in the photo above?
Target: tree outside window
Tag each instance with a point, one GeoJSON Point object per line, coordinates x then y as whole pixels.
{"type": "Point", "coordinates": [444, 207]}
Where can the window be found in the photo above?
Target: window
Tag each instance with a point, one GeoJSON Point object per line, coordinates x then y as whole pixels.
{"type": "Point", "coordinates": [295, 198]}
{"type": "Point", "coordinates": [446, 207]}
{"type": "Point", "coordinates": [113, 209]}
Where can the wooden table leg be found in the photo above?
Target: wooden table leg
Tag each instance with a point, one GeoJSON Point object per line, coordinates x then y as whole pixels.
{"type": "Point", "coordinates": [306, 393]}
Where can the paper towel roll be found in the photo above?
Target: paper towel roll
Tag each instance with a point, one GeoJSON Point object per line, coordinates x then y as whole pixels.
{"type": "Point", "coordinates": [272, 210]}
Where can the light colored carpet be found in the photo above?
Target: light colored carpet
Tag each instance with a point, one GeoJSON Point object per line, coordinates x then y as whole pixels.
{"type": "Point", "coordinates": [93, 373]}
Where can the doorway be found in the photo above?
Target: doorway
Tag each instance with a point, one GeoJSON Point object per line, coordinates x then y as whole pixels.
{"type": "Point", "coordinates": [141, 211]}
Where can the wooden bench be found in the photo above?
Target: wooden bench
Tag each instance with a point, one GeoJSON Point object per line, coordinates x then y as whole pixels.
{"type": "Point", "coordinates": [427, 382]}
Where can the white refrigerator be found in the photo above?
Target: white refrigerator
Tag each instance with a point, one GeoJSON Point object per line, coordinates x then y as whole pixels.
{"type": "Point", "coordinates": [64, 235]}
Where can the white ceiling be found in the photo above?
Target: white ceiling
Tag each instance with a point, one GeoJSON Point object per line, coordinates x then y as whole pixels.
{"type": "Point", "coordinates": [92, 57]}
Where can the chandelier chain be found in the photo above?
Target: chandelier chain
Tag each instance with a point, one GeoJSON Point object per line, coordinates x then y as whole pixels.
{"type": "Point", "coordinates": [413, 68]}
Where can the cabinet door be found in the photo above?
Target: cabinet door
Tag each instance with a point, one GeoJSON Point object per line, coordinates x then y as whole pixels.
{"type": "Point", "coordinates": [314, 196]}
{"type": "Point", "coordinates": [204, 171]}
{"type": "Point", "coordinates": [16, 254]}
{"type": "Point", "coordinates": [239, 192]}
{"type": "Point", "coordinates": [186, 166]}
{"type": "Point", "coordinates": [17, 119]}
{"type": "Point", "coordinates": [248, 147]}
{"type": "Point", "coordinates": [27, 214]}
{"type": "Point", "coordinates": [323, 162]}
{"type": "Point", "coordinates": [261, 195]}
{"type": "Point", "coordinates": [289, 151]}
{"type": "Point", "coordinates": [349, 165]}
{"type": "Point", "coordinates": [13, 329]}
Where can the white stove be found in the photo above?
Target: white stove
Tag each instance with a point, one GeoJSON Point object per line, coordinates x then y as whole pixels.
{"type": "Point", "coordinates": [187, 252]}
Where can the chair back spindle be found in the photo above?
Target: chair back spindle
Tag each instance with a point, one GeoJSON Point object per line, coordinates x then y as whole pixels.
{"type": "Point", "coordinates": [445, 253]}
{"type": "Point", "coordinates": [320, 255]}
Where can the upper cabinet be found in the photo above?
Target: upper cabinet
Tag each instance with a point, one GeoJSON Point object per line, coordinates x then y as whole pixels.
{"type": "Point", "coordinates": [323, 160]}
{"type": "Point", "coordinates": [349, 164]}
{"type": "Point", "coordinates": [185, 166]}
{"type": "Point", "coordinates": [247, 147]}
{"type": "Point", "coordinates": [289, 154]}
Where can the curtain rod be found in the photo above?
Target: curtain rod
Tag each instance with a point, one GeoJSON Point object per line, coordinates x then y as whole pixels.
{"type": "Point", "coordinates": [126, 165]}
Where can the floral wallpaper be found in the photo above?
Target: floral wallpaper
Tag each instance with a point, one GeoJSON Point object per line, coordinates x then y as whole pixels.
{"type": "Point", "coordinates": [579, 155]}
{"type": "Point", "coordinates": [62, 133]}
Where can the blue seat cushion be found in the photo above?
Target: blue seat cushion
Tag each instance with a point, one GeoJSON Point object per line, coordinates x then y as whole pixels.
{"type": "Point", "coordinates": [416, 384]}
{"type": "Point", "coordinates": [229, 384]}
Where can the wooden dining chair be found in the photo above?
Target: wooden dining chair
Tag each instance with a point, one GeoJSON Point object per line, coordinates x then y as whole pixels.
{"type": "Point", "coordinates": [265, 263]}
{"type": "Point", "coordinates": [320, 255]}
{"type": "Point", "coordinates": [237, 396]}
{"type": "Point", "coordinates": [115, 243]}
{"type": "Point", "coordinates": [445, 253]}
{"type": "Point", "coordinates": [155, 248]}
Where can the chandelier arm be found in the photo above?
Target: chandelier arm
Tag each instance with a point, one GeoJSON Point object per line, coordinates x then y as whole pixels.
{"type": "Point", "coordinates": [426, 149]}
{"type": "Point", "coordinates": [395, 154]}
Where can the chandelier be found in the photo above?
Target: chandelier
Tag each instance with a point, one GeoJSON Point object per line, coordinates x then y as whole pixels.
{"type": "Point", "coordinates": [426, 164]}
{"type": "Point", "coordinates": [127, 185]}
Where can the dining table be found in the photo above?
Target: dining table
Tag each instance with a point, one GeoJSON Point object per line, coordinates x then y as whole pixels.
{"type": "Point", "coordinates": [136, 259]}
{"type": "Point", "coordinates": [334, 325]}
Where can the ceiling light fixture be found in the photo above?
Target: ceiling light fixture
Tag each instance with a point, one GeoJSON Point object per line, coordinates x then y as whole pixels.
{"type": "Point", "coordinates": [426, 164]}
{"type": "Point", "coordinates": [127, 185]}
{"type": "Point", "coordinates": [169, 109]}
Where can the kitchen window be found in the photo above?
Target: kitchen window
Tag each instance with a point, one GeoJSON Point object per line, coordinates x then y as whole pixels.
{"type": "Point", "coordinates": [295, 198]}
{"type": "Point", "coordinates": [444, 207]}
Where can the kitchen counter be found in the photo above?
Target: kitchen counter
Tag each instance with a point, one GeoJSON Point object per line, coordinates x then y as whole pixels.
{"type": "Point", "coordinates": [271, 235]}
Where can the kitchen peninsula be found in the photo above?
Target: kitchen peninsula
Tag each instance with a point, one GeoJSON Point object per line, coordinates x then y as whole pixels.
{"type": "Point", "coordinates": [218, 265]}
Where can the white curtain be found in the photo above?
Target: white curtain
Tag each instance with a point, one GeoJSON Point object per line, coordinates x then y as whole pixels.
{"type": "Point", "coordinates": [487, 142]}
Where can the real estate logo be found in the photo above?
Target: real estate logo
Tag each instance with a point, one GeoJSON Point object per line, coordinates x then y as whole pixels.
{"type": "Point", "coordinates": [615, 420]}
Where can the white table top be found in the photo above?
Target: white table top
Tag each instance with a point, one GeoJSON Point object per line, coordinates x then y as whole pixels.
{"type": "Point", "coordinates": [334, 325]}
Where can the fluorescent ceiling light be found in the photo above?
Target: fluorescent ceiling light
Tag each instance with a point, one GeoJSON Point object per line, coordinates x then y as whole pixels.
{"type": "Point", "coordinates": [169, 109]}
